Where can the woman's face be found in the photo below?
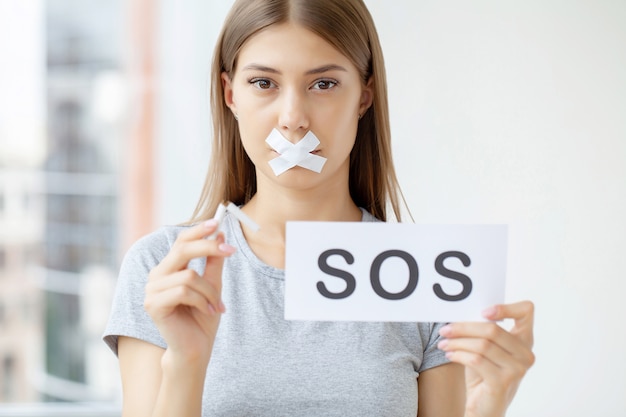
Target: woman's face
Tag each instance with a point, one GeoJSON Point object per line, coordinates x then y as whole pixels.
{"type": "Point", "coordinates": [290, 79]}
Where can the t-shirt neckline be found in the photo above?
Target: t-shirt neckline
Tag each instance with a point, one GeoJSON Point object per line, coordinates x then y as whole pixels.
{"type": "Point", "coordinates": [244, 249]}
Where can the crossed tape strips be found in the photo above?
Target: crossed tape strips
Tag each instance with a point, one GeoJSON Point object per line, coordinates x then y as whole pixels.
{"type": "Point", "coordinates": [294, 154]}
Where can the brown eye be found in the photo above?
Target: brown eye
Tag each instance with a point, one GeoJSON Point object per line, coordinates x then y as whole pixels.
{"type": "Point", "coordinates": [262, 83]}
{"type": "Point", "coordinates": [324, 84]}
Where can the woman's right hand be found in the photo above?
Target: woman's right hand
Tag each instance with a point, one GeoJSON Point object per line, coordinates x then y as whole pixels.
{"type": "Point", "coordinates": [185, 306]}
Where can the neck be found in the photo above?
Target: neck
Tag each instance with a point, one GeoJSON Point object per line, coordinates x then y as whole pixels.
{"type": "Point", "coordinates": [271, 208]}
{"type": "Point", "coordinates": [274, 205]}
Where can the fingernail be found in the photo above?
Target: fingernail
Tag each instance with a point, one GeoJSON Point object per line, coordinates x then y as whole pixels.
{"type": "Point", "coordinates": [212, 310]}
{"type": "Point", "coordinates": [443, 344]}
{"type": "Point", "coordinates": [210, 224]}
{"type": "Point", "coordinates": [222, 307]}
{"type": "Point", "coordinates": [445, 330]}
{"type": "Point", "coordinates": [449, 355]}
{"type": "Point", "coordinates": [488, 312]}
{"type": "Point", "coordinates": [226, 248]}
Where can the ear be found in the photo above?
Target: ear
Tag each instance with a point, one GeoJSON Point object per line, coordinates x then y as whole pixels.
{"type": "Point", "coordinates": [228, 92]}
{"type": "Point", "coordinates": [367, 96]}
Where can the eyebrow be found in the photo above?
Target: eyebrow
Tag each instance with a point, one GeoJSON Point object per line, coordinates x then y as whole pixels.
{"type": "Point", "coordinates": [318, 70]}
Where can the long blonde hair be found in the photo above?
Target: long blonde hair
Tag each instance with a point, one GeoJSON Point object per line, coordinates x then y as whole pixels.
{"type": "Point", "coordinates": [348, 26]}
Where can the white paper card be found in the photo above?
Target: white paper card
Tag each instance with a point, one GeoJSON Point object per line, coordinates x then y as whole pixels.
{"type": "Point", "coordinates": [359, 271]}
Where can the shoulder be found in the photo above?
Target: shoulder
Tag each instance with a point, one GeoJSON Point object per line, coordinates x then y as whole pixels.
{"type": "Point", "coordinates": [163, 236]}
{"type": "Point", "coordinates": [153, 247]}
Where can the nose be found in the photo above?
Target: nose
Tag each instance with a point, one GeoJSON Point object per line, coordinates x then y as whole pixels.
{"type": "Point", "coordinates": [293, 117]}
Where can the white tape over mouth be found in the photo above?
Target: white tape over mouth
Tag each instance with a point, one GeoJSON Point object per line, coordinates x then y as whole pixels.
{"type": "Point", "coordinates": [294, 154]}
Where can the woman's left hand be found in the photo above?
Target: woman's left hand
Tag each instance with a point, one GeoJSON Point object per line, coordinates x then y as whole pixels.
{"type": "Point", "coordinates": [495, 360]}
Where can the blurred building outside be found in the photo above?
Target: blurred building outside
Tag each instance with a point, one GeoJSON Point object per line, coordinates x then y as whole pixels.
{"type": "Point", "coordinates": [21, 323]}
{"type": "Point", "coordinates": [75, 188]}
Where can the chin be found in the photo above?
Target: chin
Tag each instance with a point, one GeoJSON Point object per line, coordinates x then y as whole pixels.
{"type": "Point", "coordinates": [298, 178]}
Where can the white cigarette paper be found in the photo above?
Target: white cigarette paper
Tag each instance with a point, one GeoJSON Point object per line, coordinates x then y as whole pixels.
{"type": "Point", "coordinates": [242, 217]}
{"type": "Point", "coordinates": [229, 207]}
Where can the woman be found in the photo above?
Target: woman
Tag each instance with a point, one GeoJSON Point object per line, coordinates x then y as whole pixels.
{"type": "Point", "coordinates": [292, 68]}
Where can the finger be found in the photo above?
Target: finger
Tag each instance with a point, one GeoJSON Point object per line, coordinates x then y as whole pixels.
{"type": "Point", "coordinates": [485, 369]}
{"type": "Point", "coordinates": [497, 376]}
{"type": "Point", "coordinates": [500, 380]}
{"type": "Point", "coordinates": [195, 233]}
{"type": "Point", "coordinates": [161, 304]}
{"type": "Point", "coordinates": [199, 231]}
{"type": "Point", "coordinates": [183, 251]}
{"type": "Point", "coordinates": [187, 279]}
{"type": "Point", "coordinates": [489, 350]}
{"type": "Point", "coordinates": [522, 313]}
{"type": "Point", "coordinates": [488, 331]}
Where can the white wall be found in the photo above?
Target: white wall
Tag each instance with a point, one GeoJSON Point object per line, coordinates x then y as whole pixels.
{"type": "Point", "coordinates": [22, 75]}
{"type": "Point", "coordinates": [188, 30]}
{"type": "Point", "coordinates": [515, 112]}
{"type": "Point", "coordinates": [502, 112]}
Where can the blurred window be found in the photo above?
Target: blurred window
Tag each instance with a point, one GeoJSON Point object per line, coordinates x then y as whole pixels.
{"type": "Point", "coordinates": [60, 139]}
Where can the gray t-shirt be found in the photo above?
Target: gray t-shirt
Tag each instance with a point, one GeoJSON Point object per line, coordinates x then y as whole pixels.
{"type": "Point", "coordinates": [263, 365]}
